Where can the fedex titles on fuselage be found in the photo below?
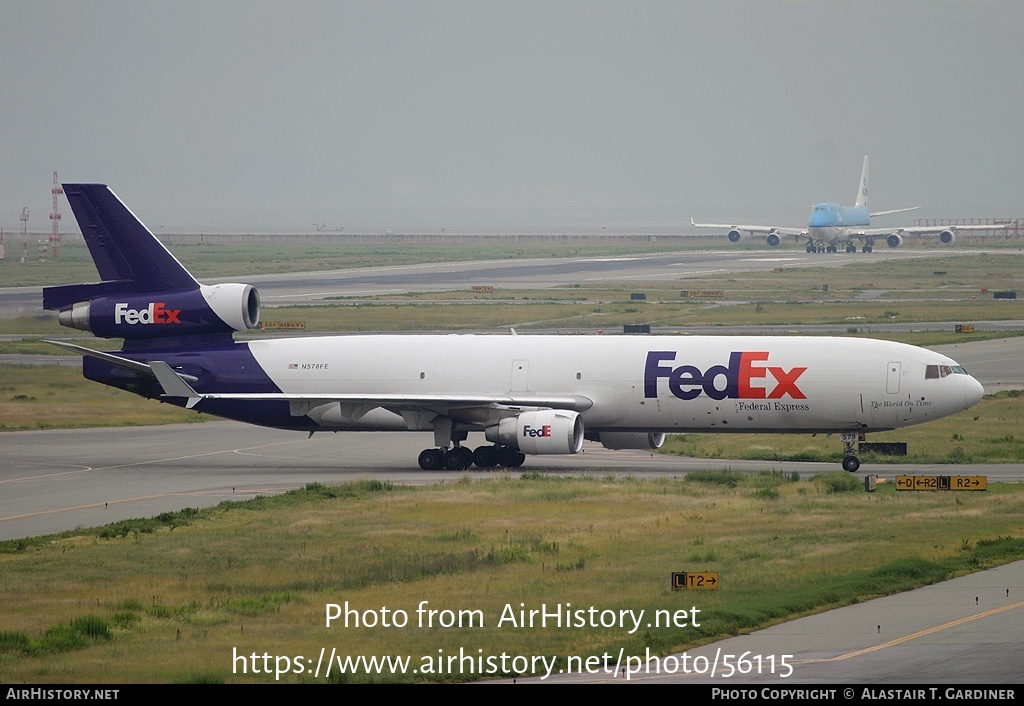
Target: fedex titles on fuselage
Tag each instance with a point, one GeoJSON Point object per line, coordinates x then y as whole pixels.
{"type": "Point", "coordinates": [741, 376]}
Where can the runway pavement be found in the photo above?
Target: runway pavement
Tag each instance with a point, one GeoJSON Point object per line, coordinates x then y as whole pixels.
{"type": "Point", "coordinates": [61, 479]}
{"type": "Point", "coordinates": [538, 273]}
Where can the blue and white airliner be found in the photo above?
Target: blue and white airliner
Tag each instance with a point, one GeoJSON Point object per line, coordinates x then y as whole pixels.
{"type": "Point", "coordinates": [524, 394]}
{"type": "Point", "coordinates": [831, 226]}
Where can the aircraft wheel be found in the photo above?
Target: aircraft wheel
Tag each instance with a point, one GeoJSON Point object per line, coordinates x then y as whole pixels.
{"type": "Point", "coordinates": [431, 459]}
{"type": "Point", "coordinates": [867, 248]}
{"type": "Point", "coordinates": [486, 456]}
{"type": "Point", "coordinates": [520, 459]}
{"type": "Point", "coordinates": [458, 459]}
{"type": "Point", "coordinates": [507, 457]}
{"type": "Point", "coordinates": [851, 464]}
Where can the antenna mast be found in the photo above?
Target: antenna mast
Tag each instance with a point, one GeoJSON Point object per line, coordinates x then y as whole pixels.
{"type": "Point", "coordinates": [55, 219]}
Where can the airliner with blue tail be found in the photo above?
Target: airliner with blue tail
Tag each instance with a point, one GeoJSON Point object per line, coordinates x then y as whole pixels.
{"type": "Point", "coordinates": [832, 227]}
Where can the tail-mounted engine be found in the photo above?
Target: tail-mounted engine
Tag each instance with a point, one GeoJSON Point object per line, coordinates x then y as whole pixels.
{"type": "Point", "coordinates": [220, 308]}
{"type": "Point", "coordinates": [550, 431]}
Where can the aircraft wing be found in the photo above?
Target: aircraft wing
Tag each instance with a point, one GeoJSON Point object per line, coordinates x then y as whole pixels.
{"type": "Point", "coordinates": [420, 409]}
{"type": "Point", "coordinates": [932, 230]}
{"type": "Point", "coordinates": [133, 365]}
{"type": "Point", "coordinates": [576, 403]}
{"type": "Point", "coordinates": [925, 230]}
{"type": "Point", "coordinates": [894, 210]}
{"type": "Point", "coordinates": [753, 229]}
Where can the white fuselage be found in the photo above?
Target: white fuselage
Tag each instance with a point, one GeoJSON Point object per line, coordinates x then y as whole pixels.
{"type": "Point", "coordinates": [648, 383]}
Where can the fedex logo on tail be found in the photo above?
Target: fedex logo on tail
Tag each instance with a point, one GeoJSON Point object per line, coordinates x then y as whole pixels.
{"type": "Point", "coordinates": [745, 377]}
{"type": "Point", "coordinates": [155, 313]}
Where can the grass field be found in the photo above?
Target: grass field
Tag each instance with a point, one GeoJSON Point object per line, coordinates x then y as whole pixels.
{"type": "Point", "coordinates": [238, 260]}
{"type": "Point", "coordinates": [230, 260]}
{"type": "Point", "coordinates": [57, 397]}
{"type": "Point", "coordinates": [859, 296]}
{"type": "Point", "coordinates": [172, 599]}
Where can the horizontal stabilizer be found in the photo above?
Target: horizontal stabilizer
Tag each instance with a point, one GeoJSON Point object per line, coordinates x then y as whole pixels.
{"type": "Point", "coordinates": [67, 295]}
{"type": "Point", "coordinates": [133, 365]}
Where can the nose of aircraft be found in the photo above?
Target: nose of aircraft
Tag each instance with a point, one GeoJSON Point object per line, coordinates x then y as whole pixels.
{"type": "Point", "coordinates": [821, 218]}
{"type": "Point", "coordinates": [973, 392]}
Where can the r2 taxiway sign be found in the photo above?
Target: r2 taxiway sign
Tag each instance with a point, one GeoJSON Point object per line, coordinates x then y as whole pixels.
{"type": "Point", "coordinates": [941, 482]}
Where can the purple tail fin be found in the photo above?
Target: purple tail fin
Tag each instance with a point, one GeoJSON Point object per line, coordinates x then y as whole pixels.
{"type": "Point", "coordinates": [128, 257]}
{"type": "Point", "coordinates": [145, 295]}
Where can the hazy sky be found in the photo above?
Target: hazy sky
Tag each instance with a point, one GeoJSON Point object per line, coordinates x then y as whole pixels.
{"type": "Point", "coordinates": [209, 116]}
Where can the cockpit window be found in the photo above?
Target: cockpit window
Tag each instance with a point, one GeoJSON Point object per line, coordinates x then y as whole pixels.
{"type": "Point", "coordinates": [937, 371]}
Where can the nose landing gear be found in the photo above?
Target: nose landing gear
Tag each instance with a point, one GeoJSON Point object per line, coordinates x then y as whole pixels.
{"type": "Point", "coordinates": [850, 461]}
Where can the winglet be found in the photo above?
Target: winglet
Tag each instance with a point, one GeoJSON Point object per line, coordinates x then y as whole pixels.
{"type": "Point", "coordinates": [173, 385]}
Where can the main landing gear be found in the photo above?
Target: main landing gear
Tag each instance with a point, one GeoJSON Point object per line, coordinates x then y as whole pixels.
{"type": "Point", "coordinates": [459, 458]}
{"type": "Point", "coordinates": [449, 453]}
{"type": "Point", "coordinates": [821, 247]}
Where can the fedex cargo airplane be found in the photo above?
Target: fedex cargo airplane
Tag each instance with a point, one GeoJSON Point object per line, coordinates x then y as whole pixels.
{"type": "Point", "coordinates": [523, 394]}
{"type": "Point", "coordinates": [832, 226]}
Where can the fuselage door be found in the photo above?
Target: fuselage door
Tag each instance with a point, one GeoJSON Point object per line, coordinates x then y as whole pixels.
{"type": "Point", "coordinates": [520, 376]}
{"type": "Point", "coordinates": [892, 377]}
